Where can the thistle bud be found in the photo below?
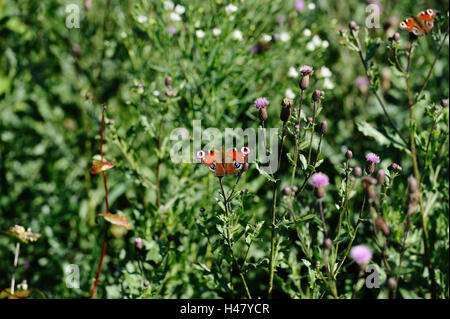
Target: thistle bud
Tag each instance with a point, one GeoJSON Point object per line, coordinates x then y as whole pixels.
{"type": "Point", "coordinates": [380, 223]}
{"type": "Point", "coordinates": [327, 243]}
{"type": "Point", "coordinates": [310, 119]}
{"type": "Point", "coordinates": [413, 196]}
{"type": "Point", "coordinates": [263, 114]}
{"type": "Point", "coordinates": [317, 94]}
{"type": "Point", "coordinates": [168, 82]}
{"type": "Point", "coordinates": [146, 283]}
{"type": "Point", "coordinates": [138, 243]}
{"type": "Point", "coordinates": [202, 209]}
{"type": "Point", "coordinates": [348, 154]}
{"type": "Point", "coordinates": [319, 192]}
{"type": "Point", "coordinates": [294, 189]}
{"type": "Point", "coordinates": [381, 177]}
{"type": "Point", "coordinates": [357, 172]}
{"type": "Point", "coordinates": [370, 167]}
{"type": "Point", "coordinates": [392, 283]}
{"type": "Point", "coordinates": [353, 26]}
{"type": "Point", "coordinates": [444, 102]}
{"type": "Point", "coordinates": [368, 183]}
{"type": "Point", "coordinates": [394, 167]}
{"type": "Point", "coordinates": [306, 72]}
{"type": "Point", "coordinates": [287, 191]}
{"type": "Point", "coordinates": [245, 167]}
{"type": "Point", "coordinates": [304, 82]}
{"type": "Point", "coordinates": [324, 127]}
{"type": "Point", "coordinates": [286, 106]}
{"type": "Point", "coordinates": [87, 4]}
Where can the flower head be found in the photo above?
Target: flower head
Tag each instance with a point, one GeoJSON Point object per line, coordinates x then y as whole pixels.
{"type": "Point", "coordinates": [361, 81]}
{"type": "Point", "coordinates": [261, 103]}
{"type": "Point", "coordinates": [306, 70]}
{"type": "Point", "coordinates": [138, 243]}
{"type": "Point", "coordinates": [319, 180]}
{"type": "Point", "coordinates": [373, 158]}
{"type": "Point", "coordinates": [299, 5]}
{"type": "Point", "coordinates": [361, 254]}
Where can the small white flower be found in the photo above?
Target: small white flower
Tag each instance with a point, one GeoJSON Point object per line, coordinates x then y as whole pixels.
{"type": "Point", "coordinates": [328, 84]}
{"type": "Point", "coordinates": [142, 19]}
{"type": "Point", "coordinates": [311, 6]}
{"type": "Point", "coordinates": [197, 24]}
{"type": "Point", "coordinates": [200, 33]}
{"type": "Point", "coordinates": [325, 44]}
{"type": "Point", "coordinates": [290, 94]}
{"type": "Point", "coordinates": [285, 36]}
{"type": "Point", "coordinates": [266, 38]}
{"type": "Point", "coordinates": [325, 72]}
{"type": "Point", "coordinates": [123, 34]}
{"type": "Point", "coordinates": [237, 35]}
{"type": "Point", "coordinates": [155, 93]}
{"type": "Point", "coordinates": [292, 72]}
{"type": "Point", "coordinates": [231, 18]}
{"type": "Point", "coordinates": [310, 46]}
{"type": "Point", "coordinates": [316, 40]}
{"type": "Point", "coordinates": [230, 8]}
{"type": "Point", "coordinates": [216, 31]}
{"type": "Point", "coordinates": [307, 33]}
{"type": "Point", "coordinates": [179, 9]}
{"type": "Point", "coordinates": [168, 5]}
{"type": "Point", "coordinates": [175, 16]}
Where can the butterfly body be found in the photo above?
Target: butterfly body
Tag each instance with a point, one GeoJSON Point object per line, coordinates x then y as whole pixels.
{"type": "Point", "coordinates": [221, 163]}
{"type": "Point", "coordinates": [420, 24]}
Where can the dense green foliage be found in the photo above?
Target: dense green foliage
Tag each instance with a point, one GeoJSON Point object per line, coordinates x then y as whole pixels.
{"type": "Point", "coordinates": [54, 80]}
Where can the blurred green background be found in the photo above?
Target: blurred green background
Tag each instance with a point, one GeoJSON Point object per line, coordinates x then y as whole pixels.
{"type": "Point", "coordinates": [53, 81]}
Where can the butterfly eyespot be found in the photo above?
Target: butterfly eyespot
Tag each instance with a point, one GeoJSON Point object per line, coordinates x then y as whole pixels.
{"type": "Point", "coordinates": [212, 166]}
{"type": "Point", "coordinates": [200, 154]}
{"type": "Point", "coordinates": [211, 152]}
{"type": "Point", "coordinates": [430, 12]}
{"type": "Point", "coordinates": [237, 165]}
{"type": "Point", "coordinates": [415, 31]}
{"type": "Point", "coordinates": [245, 150]}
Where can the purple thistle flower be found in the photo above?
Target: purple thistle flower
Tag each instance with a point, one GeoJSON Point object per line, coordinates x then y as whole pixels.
{"type": "Point", "coordinates": [361, 254]}
{"type": "Point", "coordinates": [306, 70]}
{"type": "Point", "coordinates": [361, 81]}
{"type": "Point", "coordinates": [319, 180]}
{"type": "Point", "coordinates": [299, 5]}
{"type": "Point", "coordinates": [261, 103]}
{"type": "Point", "coordinates": [171, 30]}
{"type": "Point", "coordinates": [138, 240]}
{"type": "Point", "coordinates": [373, 158]}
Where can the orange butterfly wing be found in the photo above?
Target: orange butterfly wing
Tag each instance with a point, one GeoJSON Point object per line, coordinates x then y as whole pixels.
{"type": "Point", "coordinates": [223, 163]}
{"type": "Point", "coordinates": [420, 24]}
{"type": "Point", "coordinates": [411, 25]}
{"type": "Point", "coordinates": [427, 19]}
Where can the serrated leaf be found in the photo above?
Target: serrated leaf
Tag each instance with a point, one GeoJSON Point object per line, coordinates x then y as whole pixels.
{"type": "Point", "coordinates": [266, 175]}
